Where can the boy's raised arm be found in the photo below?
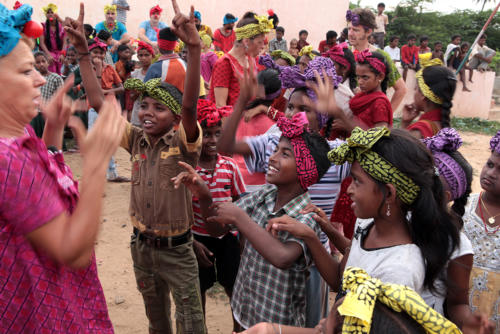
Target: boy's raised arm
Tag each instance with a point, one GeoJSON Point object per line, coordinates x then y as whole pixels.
{"type": "Point", "coordinates": [185, 28]}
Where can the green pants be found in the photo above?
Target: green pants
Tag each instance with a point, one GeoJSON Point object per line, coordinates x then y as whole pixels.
{"type": "Point", "coordinates": [161, 271]}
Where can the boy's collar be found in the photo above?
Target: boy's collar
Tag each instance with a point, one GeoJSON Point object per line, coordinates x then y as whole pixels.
{"type": "Point", "coordinates": [165, 138]}
{"type": "Point", "coordinates": [293, 207]}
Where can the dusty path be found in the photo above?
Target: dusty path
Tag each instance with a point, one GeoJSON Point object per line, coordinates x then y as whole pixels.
{"type": "Point", "coordinates": [115, 264]}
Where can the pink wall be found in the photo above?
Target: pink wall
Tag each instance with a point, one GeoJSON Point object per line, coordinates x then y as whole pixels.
{"type": "Point", "coordinates": [316, 16]}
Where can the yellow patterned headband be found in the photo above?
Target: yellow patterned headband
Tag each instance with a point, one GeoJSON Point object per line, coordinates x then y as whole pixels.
{"type": "Point", "coordinates": [283, 55]}
{"type": "Point", "coordinates": [152, 88]}
{"type": "Point", "coordinates": [362, 293]}
{"type": "Point", "coordinates": [358, 148]}
{"type": "Point", "coordinates": [307, 51]}
{"type": "Point", "coordinates": [263, 26]}
{"type": "Point", "coordinates": [52, 7]}
{"type": "Point", "coordinates": [109, 8]}
{"type": "Point", "coordinates": [426, 90]}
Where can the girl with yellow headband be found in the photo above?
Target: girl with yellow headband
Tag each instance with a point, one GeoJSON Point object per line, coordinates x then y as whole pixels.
{"type": "Point", "coordinates": [250, 36]}
{"type": "Point", "coordinates": [117, 30]}
{"type": "Point", "coordinates": [53, 40]}
{"type": "Point", "coordinates": [436, 86]}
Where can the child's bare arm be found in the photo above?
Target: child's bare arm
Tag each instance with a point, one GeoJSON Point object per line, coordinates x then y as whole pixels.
{"type": "Point", "coordinates": [185, 28]}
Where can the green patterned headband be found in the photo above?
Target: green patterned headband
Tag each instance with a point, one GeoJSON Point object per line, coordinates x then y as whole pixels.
{"type": "Point", "coordinates": [153, 89]}
{"type": "Point", "coordinates": [358, 147]}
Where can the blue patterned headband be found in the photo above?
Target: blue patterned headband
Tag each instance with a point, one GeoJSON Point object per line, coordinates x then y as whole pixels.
{"type": "Point", "coordinates": [11, 25]}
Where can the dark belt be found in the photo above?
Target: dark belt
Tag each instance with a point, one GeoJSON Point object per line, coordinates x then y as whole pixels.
{"type": "Point", "coordinates": [163, 242]}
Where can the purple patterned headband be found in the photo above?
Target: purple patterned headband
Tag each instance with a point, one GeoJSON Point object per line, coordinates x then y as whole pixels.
{"type": "Point", "coordinates": [352, 17]}
{"type": "Point", "coordinates": [495, 143]}
{"type": "Point", "coordinates": [448, 140]}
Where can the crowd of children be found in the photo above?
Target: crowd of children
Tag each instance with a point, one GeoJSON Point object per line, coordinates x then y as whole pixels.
{"type": "Point", "coordinates": [272, 169]}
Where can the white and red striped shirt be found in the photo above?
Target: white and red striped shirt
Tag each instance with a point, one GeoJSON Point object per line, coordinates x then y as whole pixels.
{"type": "Point", "coordinates": [224, 182]}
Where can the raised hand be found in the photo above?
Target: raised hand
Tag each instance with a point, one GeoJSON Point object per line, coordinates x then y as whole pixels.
{"type": "Point", "coordinates": [101, 142]}
{"type": "Point", "coordinates": [248, 83]}
{"type": "Point", "coordinates": [58, 110]}
{"type": "Point", "coordinates": [227, 213]}
{"type": "Point", "coordinates": [324, 90]}
{"type": "Point", "coordinates": [184, 27]}
{"type": "Point", "coordinates": [410, 112]}
{"type": "Point", "coordinates": [191, 180]}
{"type": "Point", "coordinates": [74, 31]}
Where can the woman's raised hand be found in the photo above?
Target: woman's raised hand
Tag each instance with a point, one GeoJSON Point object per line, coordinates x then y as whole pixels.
{"type": "Point", "coordinates": [100, 143]}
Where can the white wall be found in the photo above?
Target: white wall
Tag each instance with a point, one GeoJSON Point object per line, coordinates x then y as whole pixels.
{"type": "Point", "coordinates": [315, 16]}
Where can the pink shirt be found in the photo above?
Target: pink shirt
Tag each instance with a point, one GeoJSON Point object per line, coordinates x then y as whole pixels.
{"type": "Point", "coordinates": [38, 295]}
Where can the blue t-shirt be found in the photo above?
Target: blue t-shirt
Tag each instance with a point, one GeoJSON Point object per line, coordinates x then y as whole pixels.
{"type": "Point", "coordinates": [117, 34]}
{"type": "Point", "coordinates": [150, 32]}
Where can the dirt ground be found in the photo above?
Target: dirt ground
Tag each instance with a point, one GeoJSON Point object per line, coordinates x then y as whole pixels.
{"type": "Point", "coordinates": [115, 264]}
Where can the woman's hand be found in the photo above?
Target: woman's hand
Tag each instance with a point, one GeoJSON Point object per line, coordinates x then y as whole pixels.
{"type": "Point", "coordinates": [75, 33]}
{"type": "Point", "coordinates": [203, 254]}
{"type": "Point", "coordinates": [184, 26]}
{"type": "Point", "coordinates": [227, 213]}
{"type": "Point", "coordinates": [101, 142]}
{"type": "Point", "coordinates": [192, 181]}
{"type": "Point", "coordinates": [290, 225]}
{"type": "Point", "coordinates": [58, 110]}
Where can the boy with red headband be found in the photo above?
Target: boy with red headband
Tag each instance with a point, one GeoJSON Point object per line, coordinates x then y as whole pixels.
{"type": "Point", "coordinates": [145, 54]}
{"type": "Point", "coordinates": [218, 258]}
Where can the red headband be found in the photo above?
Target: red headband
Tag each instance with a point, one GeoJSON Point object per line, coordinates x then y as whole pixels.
{"type": "Point", "coordinates": [337, 55]}
{"type": "Point", "coordinates": [306, 166]}
{"type": "Point", "coordinates": [155, 9]}
{"type": "Point", "coordinates": [374, 62]}
{"type": "Point", "coordinates": [209, 112]}
{"type": "Point", "coordinates": [145, 46]}
{"type": "Point", "coordinates": [17, 5]}
{"type": "Point", "coordinates": [98, 44]}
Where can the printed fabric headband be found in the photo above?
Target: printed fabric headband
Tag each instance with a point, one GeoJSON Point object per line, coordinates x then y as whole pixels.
{"type": "Point", "coordinates": [52, 7]}
{"type": "Point", "coordinates": [145, 46]}
{"type": "Point", "coordinates": [307, 51]}
{"type": "Point", "coordinates": [426, 90]}
{"type": "Point", "coordinates": [208, 111]}
{"type": "Point", "coordinates": [17, 5]}
{"type": "Point", "coordinates": [363, 291]}
{"type": "Point", "coordinates": [263, 26]}
{"type": "Point", "coordinates": [358, 148]}
{"type": "Point", "coordinates": [337, 55]}
{"type": "Point", "coordinates": [293, 129]}
{"type": "Point", "coordinates": [153, 89]}
{"type": "Point", "coordinates": [448, 140]}
{"type": "Point", "coordinates": [97, 43]}
{"type": "Point", "coordinates": [495, 143]}
{"type": "Point", "coordinates": [197, 15]}
{"type": "Point", "coordinates": [109, 8]}
{"type": "Point", "coordinates": [229, 21]}
{"type": "Point", "coordinates": [277, 54]}
{"type": "Point", "coordinates": [12, 23]}
{"type": "Point", "coordinates": [350, 16]}
{"type": "Point", "coordinates": [367, 56]}
{"type": "Point", "coordinates": [155, 9]}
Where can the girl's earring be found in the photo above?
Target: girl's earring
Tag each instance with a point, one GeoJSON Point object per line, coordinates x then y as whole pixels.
{"type": "Point", "coordinates": [388, 212]}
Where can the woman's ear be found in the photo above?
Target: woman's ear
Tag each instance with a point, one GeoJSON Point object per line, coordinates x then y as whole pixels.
{"type": "Point", "coordinates": [447, 195]}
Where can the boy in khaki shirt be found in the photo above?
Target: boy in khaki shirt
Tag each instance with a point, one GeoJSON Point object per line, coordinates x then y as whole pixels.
{"type": "Point", "coordinates": [162, 216]}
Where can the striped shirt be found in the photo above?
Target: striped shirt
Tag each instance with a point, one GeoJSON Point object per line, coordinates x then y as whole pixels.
{"type": "Point", "coordinates": [171, 69]}
{"type": "Point", "coordinates": [225, 182]}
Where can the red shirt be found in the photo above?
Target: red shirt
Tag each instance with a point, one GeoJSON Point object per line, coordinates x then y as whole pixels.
{"type": "Point", "coordinates": [323, 46]}
{"type": "Point", "coordinates": [301, 44]}
{"type": "Point", "coordinates": [225, 43]}
{"type": "Point", "coordinates": [409, 54]}
{"type": "Point", "coordinates": [224, 183]}
{"type": "Point", "coordinates": [371, 108]}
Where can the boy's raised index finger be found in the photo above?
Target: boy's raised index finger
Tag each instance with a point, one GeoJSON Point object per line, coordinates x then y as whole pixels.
{"type": "Point", "coordinates": [176, 7]}
{"type": "Point", "coordinates": [186, 166]}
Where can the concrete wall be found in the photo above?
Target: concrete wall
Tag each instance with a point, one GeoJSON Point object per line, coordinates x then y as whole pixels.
{"type": "Point", "coordinates": [476, 103]}
{"type": "Point", "coordinates": [316, 16]}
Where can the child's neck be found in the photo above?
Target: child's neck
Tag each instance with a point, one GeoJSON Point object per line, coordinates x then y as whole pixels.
{"type": "Point", "coordinates": [207, 161]}
{"type": "Point", "coordinates": [145, 68]}
{"type": "Point", "coordinates": [491, 199]}
{"type": "Point", "coordinates": [389, 231]}
{"type": "Point", "coordinates": [286, 193]}
{"type": "Point", "coordinates": [378, 89]}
